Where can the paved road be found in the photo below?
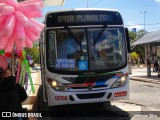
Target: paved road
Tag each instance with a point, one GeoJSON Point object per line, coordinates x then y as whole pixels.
{"type": "Point", "coordinates": [143, 97]}
{"type": "Point", "coordinates": [145, 94]}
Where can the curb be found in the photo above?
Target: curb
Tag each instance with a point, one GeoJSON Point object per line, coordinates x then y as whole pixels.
{"type": "Point", "coordinates": [155, 81]}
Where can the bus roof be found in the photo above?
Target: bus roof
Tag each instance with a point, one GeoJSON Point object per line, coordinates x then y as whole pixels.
{"type": "Point", "coordinates": [83, 9]}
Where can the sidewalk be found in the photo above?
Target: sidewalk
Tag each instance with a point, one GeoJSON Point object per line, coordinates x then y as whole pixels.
{"type": "Point", "coordinates": [30, 102]}
{"type": "Point", "coordinates": [140, 74]}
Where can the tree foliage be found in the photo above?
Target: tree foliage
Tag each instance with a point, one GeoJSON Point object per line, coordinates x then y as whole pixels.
{"type": "Point", "coordinates": [138, 49]}
{"type": "Point", "coordinates": [141, 33]}
{"type": "Point", "coordinates": [134, 56]}
{"type": "Point", "coordinates": [132, 36]}
{"type": "Point", "coordinates": [34, 53]}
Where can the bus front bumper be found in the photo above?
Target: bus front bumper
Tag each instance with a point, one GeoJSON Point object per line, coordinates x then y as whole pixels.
{"type": "Point", "coordinates": [64, 98]}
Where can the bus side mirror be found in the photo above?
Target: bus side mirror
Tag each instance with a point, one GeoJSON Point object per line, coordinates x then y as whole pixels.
{"type": "Point", "coordinates": [128, 40]}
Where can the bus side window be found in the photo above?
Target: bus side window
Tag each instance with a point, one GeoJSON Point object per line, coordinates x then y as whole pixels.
{"type": "Point", "coordinates": [51, 49]}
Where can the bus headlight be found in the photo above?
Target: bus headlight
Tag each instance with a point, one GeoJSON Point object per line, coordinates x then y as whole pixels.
{"type": "Point", "coordinates": [56, 85]}
{"type": "Point", "coordinates": [121, 81]}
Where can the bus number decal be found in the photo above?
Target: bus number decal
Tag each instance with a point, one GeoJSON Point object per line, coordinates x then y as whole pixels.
{"type": "Point", "coordinates": [60, 97]}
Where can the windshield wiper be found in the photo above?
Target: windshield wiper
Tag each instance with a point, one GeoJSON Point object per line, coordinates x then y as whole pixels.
{"type": "Point", "coordinates": [99, 35]}
{"type": "Point", "coordinates": [73, 35]}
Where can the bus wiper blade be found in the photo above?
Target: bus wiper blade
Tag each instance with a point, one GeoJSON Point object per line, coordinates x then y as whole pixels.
{"type": "Point", "coordinates": [99, 35]}
{"type": "Point", "coordinates": [72, 35]}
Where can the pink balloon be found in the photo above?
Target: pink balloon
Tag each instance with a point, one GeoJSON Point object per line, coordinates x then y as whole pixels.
{"type": "Point", "coordinates": [30, 7]}
{"type": "Point", "coordinates": [2, 1]}
{"type": "Point", "coordinates": [2, 32]}
{"type": "Point", "coordinates": [18, 46]}
{"type": "Point", "coordinates": [17, 25]}
{"type": "Point", "coordinates": [19, 34]}
{"type": "Point", "coordinates": [1, 6]}
{"type": "Point", "coordinates": [28, 43]}
{"type": "Point", "coordinates": [12, 2]}
{"type": "Point", "coordinates": [21, 18]}
{"type": "Point", "coordinates": [8, 10]}
{"type": "Point", "coordinates": [9, 46]}
{"type": "Point", "coordinates": [2, 18]}
{"type": "Point", "coordinates": [35, 0]}
{"type": "Point", "coordinates": [31, 1]}
{"type": "Point", "coordinates": [37, 23]}
{"type": "Point", "coordinates": [3, 42]}
{"type": "Point", "coordinates": [30, 35]}
{"type": "Point", "coordinates": [9, 25]}
{"type": "Point", "coordinates": [35, 6]}
{"type": "Point", "coordinates": [33, 14]}
{"type": "Point", "coordinates": [35, 10]}
{"type": "Point", "coordinates": [35, 29]}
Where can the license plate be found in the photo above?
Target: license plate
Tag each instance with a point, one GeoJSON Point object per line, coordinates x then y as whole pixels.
{"type": "Point", "coordinates": [119, 94]}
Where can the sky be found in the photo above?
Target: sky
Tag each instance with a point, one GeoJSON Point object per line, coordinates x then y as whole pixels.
{"type": "Point", "coordinates": [132, 11]}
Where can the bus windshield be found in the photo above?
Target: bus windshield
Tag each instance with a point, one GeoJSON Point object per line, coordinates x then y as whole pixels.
{"type": "Point", "coordinates": [85, 49]}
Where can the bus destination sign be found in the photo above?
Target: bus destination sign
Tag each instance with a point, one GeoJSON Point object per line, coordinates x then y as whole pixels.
{"type": "Point", "coordinates": [84, 18]}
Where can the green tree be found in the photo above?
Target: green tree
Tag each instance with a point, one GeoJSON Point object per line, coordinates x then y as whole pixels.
{"type": "Point", "coordinates": [141, 33]}
{"type": "Point", "coordinates": [34, 53]}
{"type": "Point", "coordinates": [139, 49]}
{"type": "Point", "coordinates": [134, 56]}
{"type": "Point", "coordinates": [132, 36]}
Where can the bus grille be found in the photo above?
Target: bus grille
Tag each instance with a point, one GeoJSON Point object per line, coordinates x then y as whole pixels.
{"type": "Point", "coordinates": [90, 96]}
{"type": "Point", "coordinates": [100, 86]}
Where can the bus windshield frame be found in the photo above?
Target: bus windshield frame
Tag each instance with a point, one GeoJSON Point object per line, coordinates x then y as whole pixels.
{"type": "Point", "coordinates": [87, 43]}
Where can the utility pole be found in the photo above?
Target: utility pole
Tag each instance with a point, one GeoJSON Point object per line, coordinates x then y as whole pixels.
{"type": "Point", "coordinates": [144, 13]}
{"type": "Point", "coordinates": [87, 4]}
{"type": "Point", "coordinates": [144, 17]}
{"type": "Point", "coordinates": [147, 58]}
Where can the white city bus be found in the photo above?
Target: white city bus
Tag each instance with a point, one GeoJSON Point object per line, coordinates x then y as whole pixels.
{"type": "Point", "coordinates": [84, 57]}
